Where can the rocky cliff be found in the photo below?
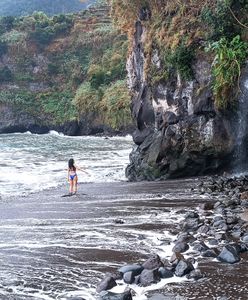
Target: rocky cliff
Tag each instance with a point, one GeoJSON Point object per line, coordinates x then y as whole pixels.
{"type": "Point", "coordinates": [180, 131]}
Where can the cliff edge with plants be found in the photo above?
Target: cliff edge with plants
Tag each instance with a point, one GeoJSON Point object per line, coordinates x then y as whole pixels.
{"type": "Point", "coordinates": [185, 66]}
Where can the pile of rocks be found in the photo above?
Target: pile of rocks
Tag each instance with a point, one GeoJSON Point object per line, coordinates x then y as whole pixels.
{"type": "Point", "coordinates": [216, 230]}
{"type": "Point", "coordinates": [233, 187]}
{"type": "Point", "coordinates": [150, 272]}
{"type": "Point", "coordinates": [223, 223]}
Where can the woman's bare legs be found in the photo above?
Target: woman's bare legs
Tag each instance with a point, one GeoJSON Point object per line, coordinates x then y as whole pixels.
{"type": "Point", "coordinates": [75, 182]}
{"type": "Point", "coordinates": [71, 186]}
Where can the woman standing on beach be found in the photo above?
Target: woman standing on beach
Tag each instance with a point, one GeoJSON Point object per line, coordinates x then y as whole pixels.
{"type": "Point", "coordinates": [72, 176]}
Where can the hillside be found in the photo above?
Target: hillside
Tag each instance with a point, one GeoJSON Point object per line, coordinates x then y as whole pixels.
{"type": "Point", "coordinates": [66, 72]}
{"type": "Point", "coordinates": [27, 7]}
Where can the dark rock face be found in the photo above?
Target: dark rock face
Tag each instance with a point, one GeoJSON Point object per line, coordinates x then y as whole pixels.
{"type": "Point", "coordinates": [179, 131]}
{"type": "Point", "coordinates": [13, 120]}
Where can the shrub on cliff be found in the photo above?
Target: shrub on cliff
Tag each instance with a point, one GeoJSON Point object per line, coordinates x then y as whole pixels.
{"type": "Point", "coordinates": [110, 104]}
{"type": "Point", "coordinates": [6, 23]}
{"type": "Point", "coordinates": [5, 74]}
{"type": "Point", "coordinates": [115, 104]}
{"type": "Point", "coordinates": [3, 48]}
{"type": "Point", "coordinates": [87, 99]}
{"type": "Point", "coordinates": [45, 28]}
{"type": "Point", "coordinates": [229, 57]}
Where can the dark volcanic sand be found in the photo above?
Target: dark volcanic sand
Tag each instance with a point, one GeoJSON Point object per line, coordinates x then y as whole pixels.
{"type": "Point", "coordinates": [51, 245]}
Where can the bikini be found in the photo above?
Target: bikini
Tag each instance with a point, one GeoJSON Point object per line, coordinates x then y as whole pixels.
{"type": "Point", "coordinates": [73, 175]}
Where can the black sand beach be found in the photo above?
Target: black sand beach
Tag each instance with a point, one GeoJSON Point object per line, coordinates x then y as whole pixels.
{"type": "Point", "coordinates": [55, 247]}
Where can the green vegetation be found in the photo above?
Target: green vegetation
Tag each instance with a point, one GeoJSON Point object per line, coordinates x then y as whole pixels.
{"type": "Point", "coordinates": [115, 105]}
{"type": "Point", "coordinates": [5, 74]}
{"type": "Point", "coordinates": [179, 29]}
{"type": "Point", "coordinates": [180, 59]}
{"type": "Point", "coordinates": [227, 69]}
{"type": "Point", "coordinates": [105, 93]}
{"type": "Point", "coordinates": [46, 29]}
{"type": "Point", "coordinates": [56, 104]}
{"type": "Point", "coordinates": [110, 103]}
{"type": "Point", "coordinates": [49, 7]}
{"type": "Point", "coordinates": [3, 48]}
{"type": "Point", "coordinates": [66, 66]}
{"type": "Point", "coordinates": [220, 18]}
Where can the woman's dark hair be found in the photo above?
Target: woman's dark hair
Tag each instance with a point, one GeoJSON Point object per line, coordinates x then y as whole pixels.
{"type": "Point", "coordinates": [71, 164]}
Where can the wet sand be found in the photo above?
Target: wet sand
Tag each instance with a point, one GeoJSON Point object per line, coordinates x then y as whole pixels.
{"type": "Point", "coordinates": [54, 247]}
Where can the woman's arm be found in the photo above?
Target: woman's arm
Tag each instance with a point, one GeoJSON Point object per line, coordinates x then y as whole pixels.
{"type": "Point", "coordinates": [82, 169]}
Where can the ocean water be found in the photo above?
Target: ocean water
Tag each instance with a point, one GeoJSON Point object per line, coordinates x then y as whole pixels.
{"type": "Point", "coordinates": [31, 162]}
{"type": "Point", "coordinates": [53, 247]}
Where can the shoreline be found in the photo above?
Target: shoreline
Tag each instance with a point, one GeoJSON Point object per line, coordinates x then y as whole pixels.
{"type": "Point", "coordinates": [108, 225]}
{"type": "Point", "coordinates": [36, 162]}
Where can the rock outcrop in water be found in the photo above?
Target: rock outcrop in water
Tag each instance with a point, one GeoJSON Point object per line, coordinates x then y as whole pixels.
{"type": "Point", "coordinates": [13, 120]}
{"type": "Point", "coordinates": [180, 131]}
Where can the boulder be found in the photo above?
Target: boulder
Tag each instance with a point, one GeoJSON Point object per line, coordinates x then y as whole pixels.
{"type": "Point", "coordinates": [183, 267]}
{"type": "Point", "coordinates": [207, 206]}
{"type": "Point", "coordinates": [244, 195]}
{"type": "Point", "coordinates": [134, 268]}
{"type": "Point", "coordinates": [195, 274]}
{"type": "Point", "coordinates": [114, 296]}
{"type": "Point", "coordinates": [153, 262]}
{"type": "Point", "coordinates": [209, 253]}
{"type": "Point", "coordinates": [175, 258]}
{"type": "Point", "coordinates": [148, 277]}
{"type": "Point", "coordinates": [165, 272]}
{"type": "Point", "coordinates": [129, 277]}
{"type": "Point", "coordinates": [200, 246]}
{"type": "Point", "coordinates": [203, 229]}
{"type": "Point", "coordinates": [185, 237]}
{"type": "Point", "coordinates": [229, 254]}
{"type": "Point", "coordinates": [180, 247]}
{"type": "Point", "coordinates": [245, 238]}
{"type": "Point", "coordinates": [190, 224]}
{"type": "Point", "coordinates": [106, 284]}
{"type": "Point", "coordinates": [192, 215]}
{"type": "Point", "coordinates": [213, 242]}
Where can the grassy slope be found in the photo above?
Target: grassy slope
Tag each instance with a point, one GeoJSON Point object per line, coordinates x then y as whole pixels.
{"type": "Point", "coordinates": [60, 63]}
